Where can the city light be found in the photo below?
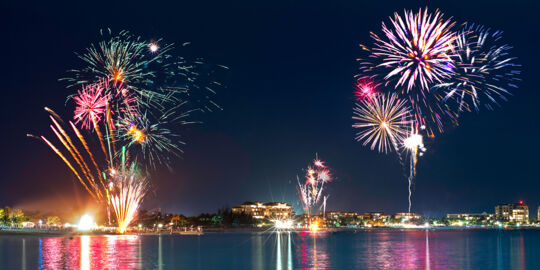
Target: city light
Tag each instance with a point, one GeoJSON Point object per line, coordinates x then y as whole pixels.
{"type": "Point", "coordinates": [314, 227]}
{"type": "Point", "coordinates": [283, 224]}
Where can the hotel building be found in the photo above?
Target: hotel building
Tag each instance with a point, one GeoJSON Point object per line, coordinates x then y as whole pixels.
{"type": "Point", "coordinates": [518, 213]}
{"type": "Point", "coordinates": [259, 210]}
{"type": "Point", "coordinates": [406, 216]}
{"type": "Point", "coordinates": [471, 217]}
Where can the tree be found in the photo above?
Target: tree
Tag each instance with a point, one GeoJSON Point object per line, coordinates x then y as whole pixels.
{"type": "Point", "coordinates": [53, 221]}
{"type": "Point", "coordinates": [7, 215]}
{"type": "Point", "coordinates": [17, 216]}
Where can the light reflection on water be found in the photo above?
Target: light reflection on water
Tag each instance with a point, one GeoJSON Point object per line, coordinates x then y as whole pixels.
{"type": "Point", "coordinates": [377, 249]}
{"type": "Point", "coordinates": [90, 252]}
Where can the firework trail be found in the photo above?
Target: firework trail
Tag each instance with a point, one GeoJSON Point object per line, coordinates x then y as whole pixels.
{"type": "Point", "coordinates": [414, 53]}
{"type": "Point", "coordinates": [383, 122]}
{"type": "Point", "coordinates": [82, 172]}
{"type": "Point", "coordinates": [415, 145]}
{"type": "Point", "coordinates": [311, 190]}
{"type": "Point", "coordinates": [126, 186]}
{"type": "Point", "coordinates": [483, 71]}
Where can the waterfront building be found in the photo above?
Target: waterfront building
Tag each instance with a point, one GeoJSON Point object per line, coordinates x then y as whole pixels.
{"type": "Point", "coordinates": [375, 216]}
{"type": "Point", "coordinates": [339, 215]}
{"type": "Point", "coordinates": [471, 216]}
{"type": "Point", "coordinates": [259, 210]}
{"type": "Point", "coordinates": [406, 216]}
{"type": "Point", "coordinates": [538, 214]}
{"type": "Point", "coordinates": [517, 213]}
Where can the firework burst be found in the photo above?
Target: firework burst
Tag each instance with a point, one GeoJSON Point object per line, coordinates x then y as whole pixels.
{"type": "Point", "coordinates": [416, 50]}
{"type": "Point", "coordinates": [365, 89]}
{"type": "Point", "coordinates": [483, 71]}
{"type": "Point", "coordinates": [413, 54]}
{"type": "Point", "coordinates": [383, 122]}
{"type": "Point", "coordinates": [311, 189]}
{"type": "Point", "coordinates": [151, 137]}
{"type": "Point", "coordinates": [123, 58]}
{"type": "Point", "coordinates": [91, 103]}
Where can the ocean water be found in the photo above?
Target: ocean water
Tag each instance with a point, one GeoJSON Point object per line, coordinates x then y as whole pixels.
{"type": "Point", "coordinates": [376, 249]}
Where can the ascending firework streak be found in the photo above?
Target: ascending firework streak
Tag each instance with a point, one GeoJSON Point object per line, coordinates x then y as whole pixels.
{"type": "Point", "coordinates": [415, 145]}
{"type": "Point", "coordinates": [126, 187]}
{"type": "Point", "coordinates": [311, 190]}
{"type": "Point", "coordinates": [91, 180]}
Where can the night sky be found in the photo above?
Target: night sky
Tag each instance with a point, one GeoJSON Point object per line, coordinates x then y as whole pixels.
{"type": "Point", "coordinates": [288, 96]}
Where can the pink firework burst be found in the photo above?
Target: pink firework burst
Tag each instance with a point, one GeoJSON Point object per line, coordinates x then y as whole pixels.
{"type": "Point", "coordinates": [365, 89]}
{"type": "Point", "coordinates": [91, 104]}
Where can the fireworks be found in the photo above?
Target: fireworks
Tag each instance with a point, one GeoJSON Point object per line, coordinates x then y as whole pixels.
{"type": "Point", "coordinates": [415, 145]}
{"type": "Point", "coordinates": [383, 122]}
{"type": "Point", "coordinates": [127, 188]}
{"type": "Point", "coordinates": [133, 94]}
{"type": "Point", "coordinates": [91, 105]}
{"type": "Point", "coordinates": [153, 47]}
{"type": "Point", "coordinates": [483, 71]}
{"type": "Point", "coordinates": [414, 54]}
{"type": "Point", "coordinates": [153, 137]}
{"type": "Point", "coordinates": [416, 51]}
{"type": "Point", "coordinates": [365, 89]}
{"type": "Point", "coordinates": [311, 190]}
{"type": "Point", "coordinates": [123, 58]}
{"type": "Point", "coordinates": [436, 72]}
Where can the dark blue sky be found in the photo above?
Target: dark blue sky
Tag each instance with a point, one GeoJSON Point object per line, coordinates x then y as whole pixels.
{"type": "Point", "coordinates": [288, 97]}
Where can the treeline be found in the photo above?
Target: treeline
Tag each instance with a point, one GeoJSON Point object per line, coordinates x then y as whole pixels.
{"type": "Point", "coordinates": [10, 217]}
{"type": "Point", "coordinates": [223, 217]}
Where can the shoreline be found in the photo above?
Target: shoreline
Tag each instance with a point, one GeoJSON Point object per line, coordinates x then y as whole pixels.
{"type": "Point", "coordinates": [45, 233]}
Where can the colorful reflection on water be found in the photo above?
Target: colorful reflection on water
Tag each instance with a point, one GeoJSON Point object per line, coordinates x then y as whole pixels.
{"type": "Point", "coordinates": [377, 249]}
{"type": "Point", "coordinates": [90, 252]}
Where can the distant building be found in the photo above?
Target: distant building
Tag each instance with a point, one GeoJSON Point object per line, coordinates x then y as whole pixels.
{"type": "Point", "coordinates": [259, 210]}
{"type": "Point", "coordinates": [338, 215]}
{"type": "Point", "coordinates": [518, 213]}
{"type": "Point", "coordinates": [471, 216]}
{"type": "Point", "coordinates": [406, 216]}
{"type": "Point", "coordinates": [538, 216]}
{"type": "Point", "coordinates": [374, 216]}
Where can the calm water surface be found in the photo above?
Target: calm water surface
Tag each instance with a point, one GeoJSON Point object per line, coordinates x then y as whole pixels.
{"type": "Point", "coordinates": [435, 249]}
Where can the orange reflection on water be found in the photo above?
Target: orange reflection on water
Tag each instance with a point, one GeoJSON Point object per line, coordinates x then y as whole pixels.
{"type": "Point", "coordinates": [90, 252]}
